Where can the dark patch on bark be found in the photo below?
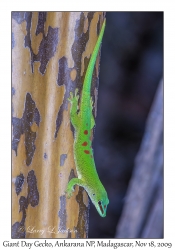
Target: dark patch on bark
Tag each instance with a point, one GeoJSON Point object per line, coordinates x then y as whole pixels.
{"type": "Point", "coordinates": [27, 42]}
{"type": "Point", "coordinates": [45, 156]}
{"type": "Point", "coordinates": [83, 218]}
{"type": "Point", "coordinates": [18, 183]}
{"type": "Point", "coordinates": [47, 48]}
{"type": "Point", "coordinates": [41, 21]}
{"type": "Point", "coordinates": [33, 194]}
{"type": "Point", "coordinates": [18, 16]}
{"type": "Point", "coordinates": [62, 213]}
{"type": "Point", "coordinates": [13, 91]}
{"type": "Point", "coordinates": [90, 15]}
{"type": "Point", "coordinates": [98, 27]}
{"type": "Point", "coordinates": [36, 116]}
{"type": "Point", "coordinates": [69, 235]}
{"type": "Point", "coordinates": [23, 203]}
{"type": "Point", "coordinates": [17, 132]}
{"type": "Point", "coordinates": [18, 228]}
{"type": "Point", "coordinates": [23, 126]}
{"type": "Point", "coordinates": [62, 159]}
{"type": "Point", "coordinates": [72, 175]}
{"type": "Point", "coordinates": [13, 40]}
{"type": "Point", "coordinates": [63, 72]}
{"type": "Point", "coordinates": [18, 231]}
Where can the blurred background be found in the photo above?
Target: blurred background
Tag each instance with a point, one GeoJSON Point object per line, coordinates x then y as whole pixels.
{"type": "Point", "coordinates": [130, 71]}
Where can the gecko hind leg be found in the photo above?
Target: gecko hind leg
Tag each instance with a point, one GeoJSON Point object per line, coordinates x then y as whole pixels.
{"type": "Point", "coordinates": [74, 107]}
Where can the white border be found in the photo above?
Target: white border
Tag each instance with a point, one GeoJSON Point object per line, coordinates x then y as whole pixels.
{"type": "Point", "coordinates": [5, 94]}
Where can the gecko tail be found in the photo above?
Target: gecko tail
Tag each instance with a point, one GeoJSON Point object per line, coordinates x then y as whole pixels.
{"type": "Point", "coordinates": [90, 69]}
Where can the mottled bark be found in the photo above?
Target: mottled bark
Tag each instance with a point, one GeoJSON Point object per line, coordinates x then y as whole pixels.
{"type": "Point", "coordinates": [50, 54]}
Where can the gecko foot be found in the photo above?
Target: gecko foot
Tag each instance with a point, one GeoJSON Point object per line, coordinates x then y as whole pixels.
{"type": "Point", "coordinates": [69, 191]}
{"type": "Point", "coordinates": [74, 99]}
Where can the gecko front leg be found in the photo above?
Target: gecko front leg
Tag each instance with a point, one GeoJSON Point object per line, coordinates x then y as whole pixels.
{"type": "Point", "coordinates": [71, 184]}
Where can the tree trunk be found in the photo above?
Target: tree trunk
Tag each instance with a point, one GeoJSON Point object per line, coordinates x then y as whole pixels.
{"type": "Point", "coordinates": [50, 54]}
{"type": "Point", "coordinates": [142, 215]}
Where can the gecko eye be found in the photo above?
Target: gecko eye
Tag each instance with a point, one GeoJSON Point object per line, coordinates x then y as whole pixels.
{"type": "Point", "coordinates": [93, 194]}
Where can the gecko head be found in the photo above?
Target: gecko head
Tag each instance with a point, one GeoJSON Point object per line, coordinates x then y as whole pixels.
{"type": "Point", "coordinates": [100, 200]}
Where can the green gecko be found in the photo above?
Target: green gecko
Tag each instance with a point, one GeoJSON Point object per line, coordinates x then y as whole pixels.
{"type": "Point", "coordinates": [83, 122]}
